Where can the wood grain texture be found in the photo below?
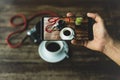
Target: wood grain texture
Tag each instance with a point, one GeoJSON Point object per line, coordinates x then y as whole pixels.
{"type": "Point", "coordinates": [24, 63]}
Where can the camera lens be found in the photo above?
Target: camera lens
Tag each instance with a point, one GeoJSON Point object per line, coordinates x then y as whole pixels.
{"type": "Point", "coordinates": [66, 33]}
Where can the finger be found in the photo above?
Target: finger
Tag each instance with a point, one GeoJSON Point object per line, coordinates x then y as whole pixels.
{"type": "Point", "coordinates": [95, 16]}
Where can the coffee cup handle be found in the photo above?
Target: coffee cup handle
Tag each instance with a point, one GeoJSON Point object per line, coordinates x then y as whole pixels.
{"type": "Point", "coordinates": [67, 56]}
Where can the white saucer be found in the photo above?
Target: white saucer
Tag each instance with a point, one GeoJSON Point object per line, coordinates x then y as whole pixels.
{"type": "Point", "coordinates": [53, 58]}
{"type": "Point", "coordinates": [64, 37]}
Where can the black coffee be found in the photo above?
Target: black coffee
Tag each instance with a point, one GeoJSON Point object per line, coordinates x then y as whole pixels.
{"type": "Point", "coordinates": [66, 33]}
{"type": "Point", "coordinates": [53, 47]}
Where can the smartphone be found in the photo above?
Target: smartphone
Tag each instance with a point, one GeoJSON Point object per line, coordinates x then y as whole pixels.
{"type": "Point", "coordinates": [67, 28]}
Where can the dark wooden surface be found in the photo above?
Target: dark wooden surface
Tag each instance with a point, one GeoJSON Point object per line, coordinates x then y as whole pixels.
{"type": "Point", "coordinates": [25, 64]}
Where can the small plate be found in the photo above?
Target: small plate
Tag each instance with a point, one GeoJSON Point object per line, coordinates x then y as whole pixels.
{"type": "Point", "coordinates": [64, 37]}
{"type": "Point", "coordinates": [53, 58]}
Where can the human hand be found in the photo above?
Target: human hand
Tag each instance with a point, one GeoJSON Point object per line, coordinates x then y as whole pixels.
{"type": "Point", "coordinates": [100, 34]}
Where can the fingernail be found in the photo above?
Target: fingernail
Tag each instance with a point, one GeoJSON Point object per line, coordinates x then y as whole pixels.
{"type": "Point", "coordinates": [88, 13]}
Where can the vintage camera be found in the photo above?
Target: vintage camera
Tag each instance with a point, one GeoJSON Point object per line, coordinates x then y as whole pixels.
{"type": "Point", "coordinates": [62, 28]}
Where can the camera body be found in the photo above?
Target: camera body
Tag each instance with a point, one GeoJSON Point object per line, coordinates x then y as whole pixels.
{"type": "Point", "coordinates": [63, 28]}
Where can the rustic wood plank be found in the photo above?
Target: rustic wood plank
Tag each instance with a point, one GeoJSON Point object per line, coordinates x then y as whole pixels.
{"type": "Point", "coordinates": [43, 75]}
{"type": "Point", "coordinates": [69, 65]}
{"type": "Point", "coordinates": [27, 52]}
{"type": "Point", "coordinates": [56, 3]}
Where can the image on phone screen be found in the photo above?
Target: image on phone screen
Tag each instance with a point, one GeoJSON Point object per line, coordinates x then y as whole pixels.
{"type": "Point", "coordinates": [67, 28]}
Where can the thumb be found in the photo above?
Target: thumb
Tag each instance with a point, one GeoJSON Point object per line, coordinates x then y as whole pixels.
{"type": "Point", "coordinates": [95, 16]}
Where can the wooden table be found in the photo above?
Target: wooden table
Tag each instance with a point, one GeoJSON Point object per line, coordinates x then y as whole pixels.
{"type": "Point", "coordinates": [24, 63]}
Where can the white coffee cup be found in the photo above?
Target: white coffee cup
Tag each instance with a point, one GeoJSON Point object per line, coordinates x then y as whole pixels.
{"type": "Point", "coordinates": [53, 51]}
{"type": "Point", "coordinates": [53, 47]}
{"type": "Point", "coordinates": [67, 33]}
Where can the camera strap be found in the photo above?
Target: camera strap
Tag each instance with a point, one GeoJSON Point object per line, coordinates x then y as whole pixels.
{"type": "Point", "coordinates": [25, 26]}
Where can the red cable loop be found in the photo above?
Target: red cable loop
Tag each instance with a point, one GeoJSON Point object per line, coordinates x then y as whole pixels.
{"type": "Point", "coordinates": [52, 21]}
{"type": "Point", "coordinates": [24, 23]}
{"type": "Point", "coordinates": [18, 31]}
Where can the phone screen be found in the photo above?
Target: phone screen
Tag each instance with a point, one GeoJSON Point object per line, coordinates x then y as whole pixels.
{"type": "Point", "coordinates": [67, 28]}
